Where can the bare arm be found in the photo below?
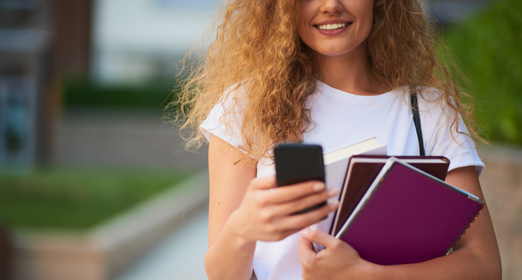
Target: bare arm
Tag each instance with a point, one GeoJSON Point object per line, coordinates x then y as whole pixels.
{"type": "Point", "coordinates": [228, 184]}
{"type": "Point", "coordinates": [475, 257]}
{"type": "Point", "coordinates": [243, 209]}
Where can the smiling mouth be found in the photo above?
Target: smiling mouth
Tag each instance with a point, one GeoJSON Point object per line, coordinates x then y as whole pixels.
{"type": "Point", "coordinates": [332, 27]}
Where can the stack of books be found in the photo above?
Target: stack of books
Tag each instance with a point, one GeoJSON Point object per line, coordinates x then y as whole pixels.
{"type": "Point", "coordinates": [395, 209]}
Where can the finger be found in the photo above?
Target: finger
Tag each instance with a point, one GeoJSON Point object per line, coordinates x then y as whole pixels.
{"type": "Point", "coordinates": [321, 237]}
{"type": "Point", "coordinates": [267, 182]}
{"type": "Point", "coordinates": [300, 221]}
{"type": "Point", "coordinates": [305, 202]}
{"type": "Point", "coordinates": [296, 191]}
{"type": "Point", "coordinates": [306, 252]}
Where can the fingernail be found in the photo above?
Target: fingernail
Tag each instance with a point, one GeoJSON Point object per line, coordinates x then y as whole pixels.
{"type": "Point", "coordinates": [333, 204]}
{"type": "Point", "coordinates": [305, 231]}
{"type": "Point", "coordinates": [333, 191]}
{"type": "Point", "coordinates": [318, 186]}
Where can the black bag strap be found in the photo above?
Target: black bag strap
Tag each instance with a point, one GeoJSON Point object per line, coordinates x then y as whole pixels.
{"type": "Point", "coordinates": [417, 121]}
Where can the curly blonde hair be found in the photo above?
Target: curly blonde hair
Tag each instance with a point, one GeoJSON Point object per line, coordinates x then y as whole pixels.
{"type": "Point", "coordinates": [257, 47]}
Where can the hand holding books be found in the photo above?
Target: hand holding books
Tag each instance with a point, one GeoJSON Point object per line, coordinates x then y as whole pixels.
{"type": "Point", "coordinates": [408, 216]}
{"type": "Point", "coordinates": [396, 210]}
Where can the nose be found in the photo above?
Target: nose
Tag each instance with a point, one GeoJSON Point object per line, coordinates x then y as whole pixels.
{"type": "Point", "coordinates": [331, 7]}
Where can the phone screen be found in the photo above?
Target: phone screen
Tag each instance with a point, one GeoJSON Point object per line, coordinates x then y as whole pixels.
{"type": "Point", "coordinates": [296, 163]}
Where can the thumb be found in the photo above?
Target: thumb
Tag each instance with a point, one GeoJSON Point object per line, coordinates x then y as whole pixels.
{"type": "Point", "coordinates": [306, 252]}
{"type": "Point", "coordinates": [320, 237]}
{"type": "Point", "coordinates": [267, 182]}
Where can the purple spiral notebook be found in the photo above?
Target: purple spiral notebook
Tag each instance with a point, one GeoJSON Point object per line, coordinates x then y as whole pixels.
{"type": "Point", "coordinates": [408, 216]}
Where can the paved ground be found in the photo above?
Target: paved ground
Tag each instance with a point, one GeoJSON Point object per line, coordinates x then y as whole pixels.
{"type": "Point", "coordinates": [502, 186]}
{"type": "Point", "coordinates": [103, 137]}
{"type": "Point", "coordinates": [180, 256]}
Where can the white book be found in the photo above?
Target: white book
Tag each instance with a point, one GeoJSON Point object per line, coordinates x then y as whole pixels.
{"type": "Point", "coordinates": [336, 165]}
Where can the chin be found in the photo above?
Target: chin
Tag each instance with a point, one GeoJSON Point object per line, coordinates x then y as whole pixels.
{"type": "Point", "coordinates": [332, 52]}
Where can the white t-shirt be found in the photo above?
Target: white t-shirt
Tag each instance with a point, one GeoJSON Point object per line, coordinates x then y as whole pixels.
{"type": "Point", "coordinates": [340, 119]}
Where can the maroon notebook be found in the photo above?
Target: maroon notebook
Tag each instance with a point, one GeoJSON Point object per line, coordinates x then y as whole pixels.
{"type": "Point", "coordinates": [361, 172]}
{"type": "Point", "coordinates": [408, 216]}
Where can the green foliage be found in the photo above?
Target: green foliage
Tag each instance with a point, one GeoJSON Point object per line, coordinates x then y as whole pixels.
{"type": "Point", "coordinates": [488, 48]}
{"type": "Point", "coordinates": [76, 198]}
{"type": "Point", "coordinates": [85, 94]}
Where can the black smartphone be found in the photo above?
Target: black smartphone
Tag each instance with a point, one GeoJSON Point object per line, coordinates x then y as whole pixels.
{"type": "Point", "coordinates": [296, 163]}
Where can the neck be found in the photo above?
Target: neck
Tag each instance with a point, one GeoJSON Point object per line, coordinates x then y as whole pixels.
{"type": "Point", "coordinates": [350, 72]}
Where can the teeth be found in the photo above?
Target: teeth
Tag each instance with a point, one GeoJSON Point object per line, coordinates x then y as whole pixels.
{"type": "Point", "coordinates": [332, 26]}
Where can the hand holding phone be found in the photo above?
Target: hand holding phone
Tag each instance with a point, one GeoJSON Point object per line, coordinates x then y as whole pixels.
{"type": "Point", "coordinates": [296, 163]}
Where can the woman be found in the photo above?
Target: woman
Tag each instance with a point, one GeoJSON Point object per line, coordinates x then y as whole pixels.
{"type": "Point", "coordinates": [330, 72]}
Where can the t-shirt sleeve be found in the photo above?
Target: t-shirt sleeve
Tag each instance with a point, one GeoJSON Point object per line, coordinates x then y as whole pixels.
{"type": "Point", "coordinates": [226, 118]}
{"type": "Point", "coordinates": [441, 139]}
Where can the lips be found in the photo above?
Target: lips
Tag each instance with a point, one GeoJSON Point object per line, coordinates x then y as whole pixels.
{"type": "Point", "coordinates": [332, 21]}
{"type": "Point", "coordinates": [332, 27]}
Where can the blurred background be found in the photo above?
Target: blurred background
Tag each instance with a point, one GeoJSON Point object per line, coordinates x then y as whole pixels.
{"type": "Point", "coordinates": [95, 185]}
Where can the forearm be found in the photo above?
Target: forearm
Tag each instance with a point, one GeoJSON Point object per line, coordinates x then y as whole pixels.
{"type": "Point", "coordinates": [462, 264]}
{"type": "Point", "coordinates": [230, 256]}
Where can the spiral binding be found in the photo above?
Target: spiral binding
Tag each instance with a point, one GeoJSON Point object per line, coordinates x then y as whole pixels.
{"type": "Point", "coordinates": [462, 232]}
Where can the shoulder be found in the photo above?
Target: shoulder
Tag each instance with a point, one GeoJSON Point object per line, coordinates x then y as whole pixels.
{"type": "Point", "coordinates": [232, 103]}
{"type": "Point", "coordinates": [234, 99]}
{"type": "Point", "coordinates": [226, 117]}
{"type": "Point", "coordinates": [444, 131]}
{"type": "Point", "coordinates": [437, 109]}
{"type": "Point", "coordinates": [432, 99]}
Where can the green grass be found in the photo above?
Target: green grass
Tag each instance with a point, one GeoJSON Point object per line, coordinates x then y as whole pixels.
{"type": "Point", "coordinates": [488, 48]}
{"type": "Point", "coordinates": [76, 199]}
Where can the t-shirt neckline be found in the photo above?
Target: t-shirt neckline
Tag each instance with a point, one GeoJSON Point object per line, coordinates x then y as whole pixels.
{"type": "Point", "coordinates": [354, 97]}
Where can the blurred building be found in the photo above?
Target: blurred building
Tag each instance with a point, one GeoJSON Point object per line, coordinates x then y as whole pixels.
{"type": "Point", "coordinates": [24, 57]}
{"type": "Point", "coordinates": [44, 42]}
{"type": "Point", "coordinates": [41, 41]}
{"type": "Point", "coordinates": [138, 41]}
